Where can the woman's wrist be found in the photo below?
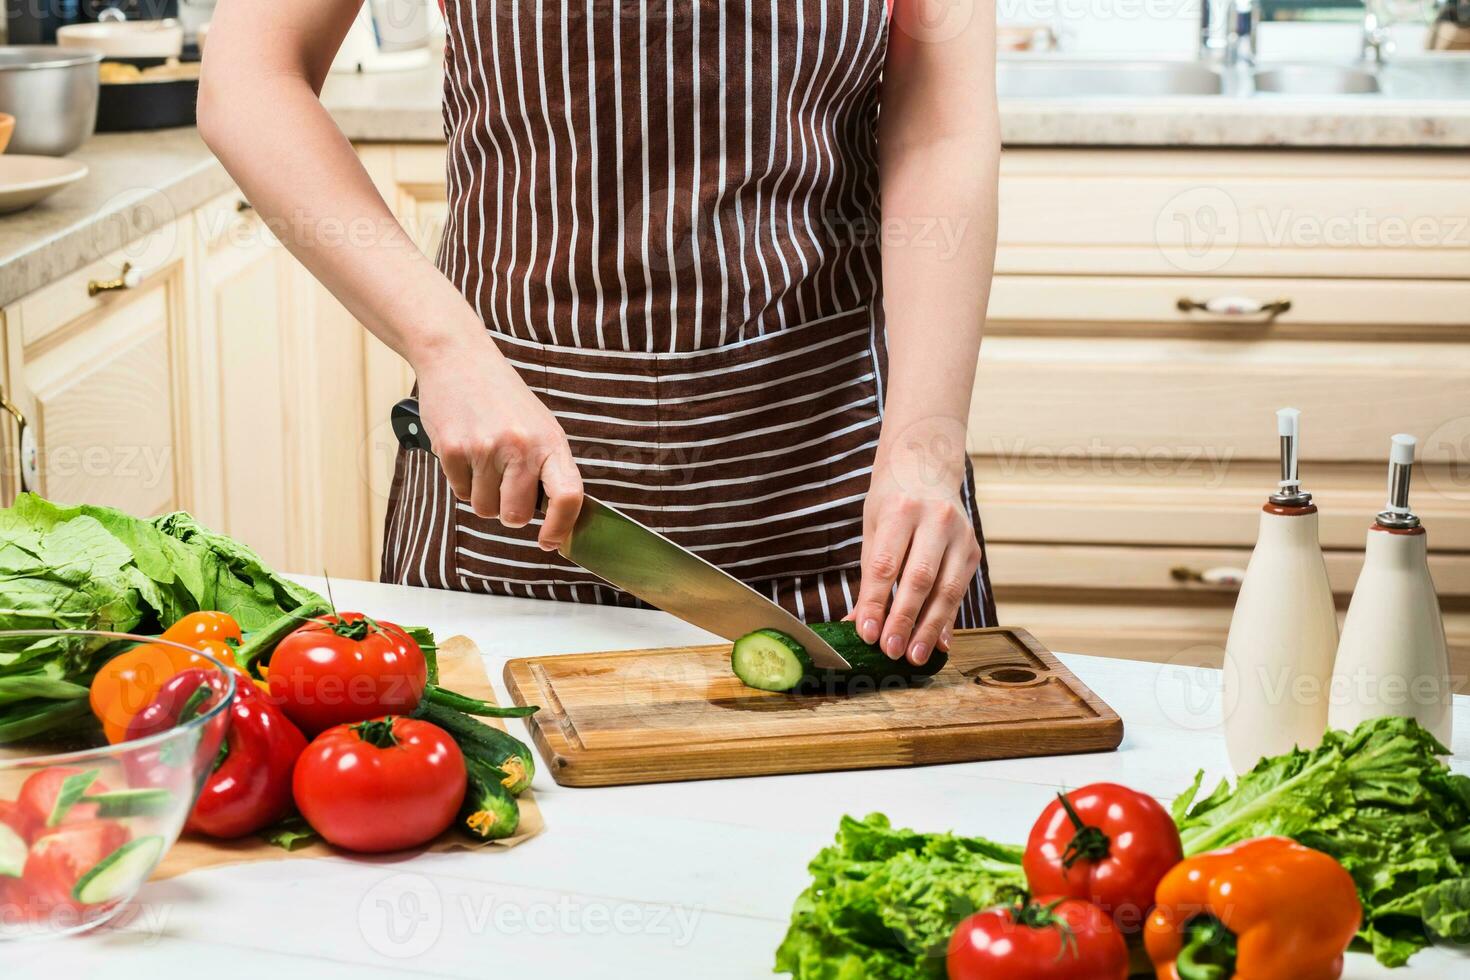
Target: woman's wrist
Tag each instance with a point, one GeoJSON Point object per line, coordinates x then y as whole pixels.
{"type": "Point", "coordinates": [925, 454]}
{"type": "Point", "coordinates": [452, 343]}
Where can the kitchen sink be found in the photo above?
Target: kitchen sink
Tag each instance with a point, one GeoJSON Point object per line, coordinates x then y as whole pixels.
{"type": "Point", "coordinates": [1051, 78]}
{"type": "Point", "coordinates": [1315, 80]}
{"type": "Point", "coordinates": [1442, 75]}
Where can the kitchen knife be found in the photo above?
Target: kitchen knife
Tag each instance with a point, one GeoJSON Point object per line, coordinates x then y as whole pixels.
{"type": "Point", "coordinates": [644, 563]}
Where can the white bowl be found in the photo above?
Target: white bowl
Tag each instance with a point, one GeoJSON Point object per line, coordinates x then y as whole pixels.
{"type": "Point", "coordinates": [126, 38]}
{"type": "Point", "coordinates": [27, 180]}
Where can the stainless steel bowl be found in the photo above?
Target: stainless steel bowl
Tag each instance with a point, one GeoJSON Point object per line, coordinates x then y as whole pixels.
{"type": "Point", "coordinates": [52, 93]}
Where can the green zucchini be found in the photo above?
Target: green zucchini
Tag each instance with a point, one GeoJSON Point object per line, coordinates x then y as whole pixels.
{"type": "Point", "coordinates": [769, 660]}
{"type": "Point", "coordinates": [490, 811]}
{"type": "Point", "coordinates": [480, 741]}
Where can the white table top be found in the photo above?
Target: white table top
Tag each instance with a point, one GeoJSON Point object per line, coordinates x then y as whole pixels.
{"type": "Point", "coordinates": [677, 880]}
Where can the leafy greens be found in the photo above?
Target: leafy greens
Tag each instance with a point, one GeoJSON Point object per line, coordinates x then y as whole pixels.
{"type": "Point", "coordinates": [95, 568]}
{"type": "Point", "coordinates": [1382, 802]}
{"type": "Point", "coordinates": [883, 902]}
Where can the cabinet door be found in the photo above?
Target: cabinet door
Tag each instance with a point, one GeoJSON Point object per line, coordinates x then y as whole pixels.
{"type": "Point", "coordinates": [97, 363]}
{"type": "Point", "coordinates": [245, 333]}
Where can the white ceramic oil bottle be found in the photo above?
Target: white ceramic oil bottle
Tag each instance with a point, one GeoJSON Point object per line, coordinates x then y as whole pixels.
{"type": "Point", "coordinates": [1392, 659]}
{"type": "Point", "coordinates": [1283, 635]}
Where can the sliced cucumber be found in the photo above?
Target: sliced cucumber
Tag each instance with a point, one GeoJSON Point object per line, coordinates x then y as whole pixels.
{"type": "Point", "coordinates": [12, 852]}
{"type": "Point", "coordinates": [120, 873]}
{"type": "Point", "coordinates": [772, 661]}
{"type": "Point", "coordinates": [132, 802]}
{"type": "Point", "coordinates": [769, 660]}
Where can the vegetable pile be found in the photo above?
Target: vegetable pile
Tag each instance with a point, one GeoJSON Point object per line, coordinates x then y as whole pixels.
{"type": "Point", "coordinates": [338, 727]}
{"type": "Point", "coordinates": [94, 568]}
{"type": "Point", "coordinates": [1383, 803]}
{"type": "Point", "coordinates": [1366, 838]}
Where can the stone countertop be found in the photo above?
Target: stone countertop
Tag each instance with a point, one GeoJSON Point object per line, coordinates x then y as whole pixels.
{"type": "Point", "coordinates": [141, 180]}
{"type": "Point", "coordinates": [135, 183]}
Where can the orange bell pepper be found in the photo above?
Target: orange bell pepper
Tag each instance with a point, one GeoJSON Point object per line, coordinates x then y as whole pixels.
{"type": "Point", "coordinates": [1265, 909]}
{"type": "Point", "coordinates": [128, 683]}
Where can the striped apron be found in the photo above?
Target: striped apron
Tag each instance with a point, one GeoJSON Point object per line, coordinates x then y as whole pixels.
{"type": "Point", "coordinates": [667, 217]}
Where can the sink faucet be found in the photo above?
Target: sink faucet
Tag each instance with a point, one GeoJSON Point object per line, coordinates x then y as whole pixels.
{"type": "Point", "coordinates": [1238, 45]}
{"type": "Point", "coordinates": [1376, 41]}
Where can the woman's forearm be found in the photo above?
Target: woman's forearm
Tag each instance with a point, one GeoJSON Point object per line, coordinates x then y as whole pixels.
{"type": "Point", "coordinates": [939, 156]}
{"type": "Point", "coordinates": [260, 113]}
{"type": "Point", "coordinates": [938, 256]}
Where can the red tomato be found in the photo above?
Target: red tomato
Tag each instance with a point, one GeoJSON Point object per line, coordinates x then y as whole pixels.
{"type": "Point", "coordinates": [61, 856]}
{"type": "Point", "coordinates": [18, 818]}
{"type": "Point", "coordinates": [1106, 844]}
{"type": "Point", "coordinates": [346, 668]}
{"type": "Point", "coordinates": [1046, 939]}
{"type": "Point", "coordinates": [380, 785]}
{"type": "Point", "coordinates": [38, 794]}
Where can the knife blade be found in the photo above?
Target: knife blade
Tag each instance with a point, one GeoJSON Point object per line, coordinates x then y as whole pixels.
{"type": "Point", "coordinates": [640, 561]}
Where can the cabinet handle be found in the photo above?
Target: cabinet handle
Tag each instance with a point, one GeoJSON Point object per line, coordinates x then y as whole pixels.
{"type": "Point", "coordinates": [1223, 577]}
{"type": "Point", "coordinates": [9, 408]}
{"type": "Point", "coordinates": [1235, 306]}
{"type": "Point", "coordinates": [129, 279]}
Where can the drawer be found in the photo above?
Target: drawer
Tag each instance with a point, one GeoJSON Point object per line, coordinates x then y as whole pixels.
{"type": "Point", "coordinates": [1171, 399]}
{"type": "Point", "coordinates": [1165, 572]}
{"type": "Point", "coordinates": [1154, 306]}
{"type": "Point", "coordinates": [1189, 633]}
{"type": "Point", "coordinates": [1213, 212]}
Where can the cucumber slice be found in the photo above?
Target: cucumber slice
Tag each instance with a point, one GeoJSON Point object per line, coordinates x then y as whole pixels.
{"type": "Point", "coordinates": [12, 852]}
{"type": "Point", "coordinates": [120, 873]}
{"type": "Point", "coordinates": [117, 803]}
{"type": "Point", "coordinates": [769, 660]}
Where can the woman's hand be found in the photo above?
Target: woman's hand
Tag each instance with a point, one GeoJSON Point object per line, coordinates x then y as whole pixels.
{"type": "Point", "coordinates": [495, 440]}
{"type": "Point", "coordinates": [916, 533]}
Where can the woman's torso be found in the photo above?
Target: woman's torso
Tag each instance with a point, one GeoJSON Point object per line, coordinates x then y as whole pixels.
{"type": "Point", "coordinates": [662, 177]}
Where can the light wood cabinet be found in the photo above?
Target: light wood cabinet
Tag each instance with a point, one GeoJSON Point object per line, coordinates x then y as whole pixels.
{"type": "Point", "coordinates": [1123, 439]}
{"type": "Point", "coordinates": [101, 364]}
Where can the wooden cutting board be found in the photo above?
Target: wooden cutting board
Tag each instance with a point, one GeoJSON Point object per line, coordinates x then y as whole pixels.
{"type": "Point", "coordinates": [649, 716]}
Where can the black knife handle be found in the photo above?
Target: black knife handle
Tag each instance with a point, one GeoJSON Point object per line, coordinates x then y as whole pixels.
{"type": "Point", "coordinates": [408, 426]}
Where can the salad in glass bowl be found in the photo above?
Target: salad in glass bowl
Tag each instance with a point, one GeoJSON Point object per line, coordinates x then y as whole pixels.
{"type": "Point", "coordinates": [88, 810]}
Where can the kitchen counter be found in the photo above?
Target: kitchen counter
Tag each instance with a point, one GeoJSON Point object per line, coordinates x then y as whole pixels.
{"type": "Point", "coordinates": [405, 107]}
{"type": "Point", "coordinates": [675, 880]}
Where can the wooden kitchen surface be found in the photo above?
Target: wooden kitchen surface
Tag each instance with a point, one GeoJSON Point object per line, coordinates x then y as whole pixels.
{"type": "Point", "coordinates": [643, 716]}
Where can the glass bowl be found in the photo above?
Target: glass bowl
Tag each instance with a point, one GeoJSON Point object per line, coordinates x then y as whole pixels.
{"type": "Point", "coordinates": [84, 823]}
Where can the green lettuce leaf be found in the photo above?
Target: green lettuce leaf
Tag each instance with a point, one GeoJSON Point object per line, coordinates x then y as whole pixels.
{"type": "Point", "coordinates": [883, 902]}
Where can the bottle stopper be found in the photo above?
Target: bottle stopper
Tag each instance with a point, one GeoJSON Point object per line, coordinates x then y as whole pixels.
{"type": "Point", "coordinates": [1289, 491]}
{"type": "Point", "coordinates": [1396, 512]}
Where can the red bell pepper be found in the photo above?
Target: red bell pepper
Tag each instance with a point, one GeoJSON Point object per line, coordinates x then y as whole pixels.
{"type": "Point", "coordinates": [249, 786]}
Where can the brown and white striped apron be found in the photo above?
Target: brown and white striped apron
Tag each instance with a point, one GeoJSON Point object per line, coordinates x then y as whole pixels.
{"type": "Point", "coordinates": [667, 216]}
